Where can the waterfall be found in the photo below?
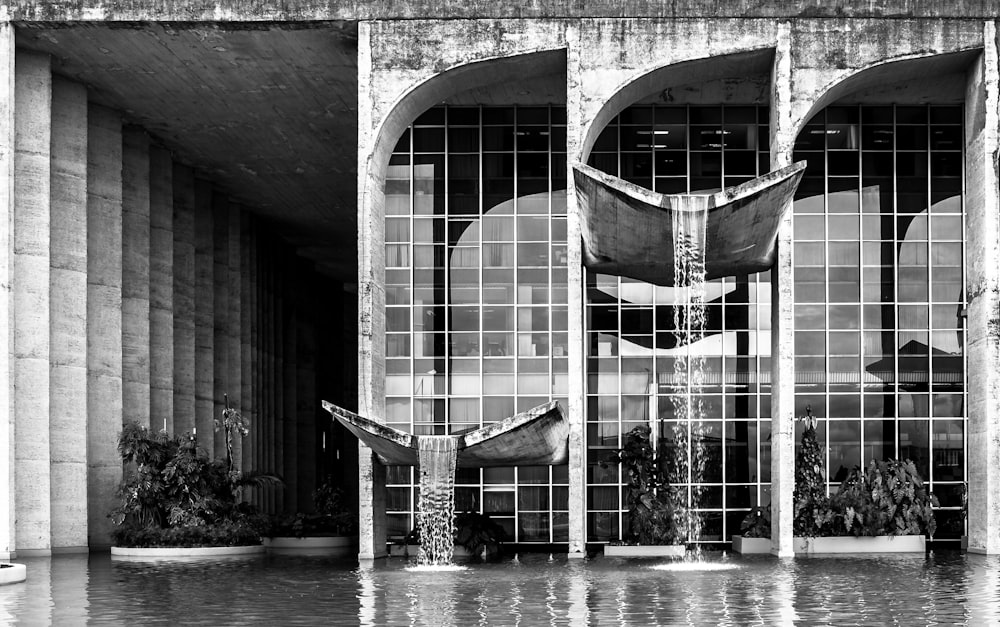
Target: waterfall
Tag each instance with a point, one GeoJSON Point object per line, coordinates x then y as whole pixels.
{"type": "Point", "coordinates": [436, 510]}
{"type": "Point", "coordinates": [689, 219]}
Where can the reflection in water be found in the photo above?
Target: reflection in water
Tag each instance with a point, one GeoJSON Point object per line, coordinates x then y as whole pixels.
{"type": "Point", "coordinates": [536, 589]}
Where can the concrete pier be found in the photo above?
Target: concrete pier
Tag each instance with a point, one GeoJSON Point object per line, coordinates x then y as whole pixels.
{"type": "Point", "coordinates": [161, 290]}
{"type": "Point", "coordinates": [68, 321]}
{"type": "Point", "coordinates": [204, 315]}
{"type": "Point", "coordinates": [184, 300]}
{"type": "Point", "coordinates": [104, 318]}
{"type": "Point", "coordinates": [136, 272]}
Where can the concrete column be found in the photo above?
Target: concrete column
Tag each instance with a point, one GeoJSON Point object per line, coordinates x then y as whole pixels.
{"type": "Point", "coordinates": [248, 403]}
{"type": "Point", "coordinates": [68, 315]}
{"type": "Point", "coordinates": [982, 127]}
{"type": "Point", "coordinates": [221, 367]}
{"type": "Point", "coordinates": [278, 374]}
{"type": "Point", "coordinates": [7, 207]}
{"type": "Point", "coordinates": [33, 97]}
{"type": "Point", "coordinates": [256, 421]}
{"type": "Point", "coordinates": [161, 289]}
{"type": "Point", "coordinates": [290, 282]}
{"type": "Point", "coordinates": [204, 316]}
{"type": "Point", "coordinates": [234, 321]}
{"type": "Point", "coordinates": [371, 311]}
{"type": "Point", "coordinates": [136, 268]}
{"type": "Point", "coordinates": [271, 444]}
{"type": "Point", "coordinates": [104, 318]}
{"type": "Point", "coordinates": [184, 305]}
{"type": "Point", "coordinates": [576, 409]}
{"type": "Point", "coordinates": [305, 384]}
{"type": "Point", "coordinates": [782, 314]}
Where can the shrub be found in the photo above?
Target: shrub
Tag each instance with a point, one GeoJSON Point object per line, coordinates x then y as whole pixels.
{"type": "Point", "coordinates": [656, 511]}
{"type": "Point", "coordinates": [757, 523]}
{"type": "Point", "coordinates": [886, 499]}
{"type": "Point", "coordinates": [174, 495]}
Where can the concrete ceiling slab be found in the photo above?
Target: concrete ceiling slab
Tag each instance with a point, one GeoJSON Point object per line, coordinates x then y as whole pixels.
{"type": "Point", "coordinates": [266, 111]}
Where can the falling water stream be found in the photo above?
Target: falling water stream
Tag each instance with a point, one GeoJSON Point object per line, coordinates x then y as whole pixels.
{"type": "Point", "coordinates": [436, 510]}
{"type": "Point", "coordinates": [689, 220]}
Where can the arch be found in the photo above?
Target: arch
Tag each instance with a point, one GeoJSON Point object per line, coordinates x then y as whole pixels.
{"type": "Point", "coordinates": [441, 86]}
{"type": "Point", "coordinates": [891, 71]}
{"type": "Point", "coordinates": [701, 70]}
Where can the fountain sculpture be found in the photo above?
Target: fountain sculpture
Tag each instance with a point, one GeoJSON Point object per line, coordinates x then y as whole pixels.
{"type": "Point", "coordinates": [538, 436]}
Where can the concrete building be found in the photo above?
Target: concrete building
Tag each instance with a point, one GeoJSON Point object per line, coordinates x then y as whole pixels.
{"type": "Point", "coordinates": [206, 199]}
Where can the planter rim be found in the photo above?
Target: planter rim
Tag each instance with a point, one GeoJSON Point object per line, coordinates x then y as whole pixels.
{"type": "Point", "coordinates": [644, 550]}
{"type": "Point", "coordinates": [13, 573]}
{"type": "Point", "coordinates": [863, 545]}
{"type": "Point", "coordinates": [195, 551]}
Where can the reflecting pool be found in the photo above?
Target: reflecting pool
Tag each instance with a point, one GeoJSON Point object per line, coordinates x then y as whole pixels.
{"type": "Point", "coordinates": [530, 589]}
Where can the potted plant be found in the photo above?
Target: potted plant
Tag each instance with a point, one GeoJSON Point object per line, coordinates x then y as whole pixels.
{"type": "Point", "coordinates": [755, 532]}
{"type": "Point", "coordinates": [656, 511]}
{"type": "Point", "coordinates": [176, 501]}
{"type": "Point", "coordinates": [884, 508]}
{"type": "Point", "coordinates": [330, 528]}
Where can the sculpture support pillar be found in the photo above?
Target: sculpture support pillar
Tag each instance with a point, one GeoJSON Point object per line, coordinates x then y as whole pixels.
{"type": "Point", "coordinates": [982, 144]}
{"type": "Point", "coordinates": [782, 313]}
{"type": "Point", "coordinates": [371, 310]}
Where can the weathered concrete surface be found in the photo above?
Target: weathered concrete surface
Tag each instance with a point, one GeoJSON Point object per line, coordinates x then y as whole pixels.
{"type": "Point", "coordinates": [982, 137]}
{"type": "Point", "coordinates": [204, 315]}
{"type": "Point", "coordinates": [317, 10]}
{"type": "Point", "coordinates": [184, 300]}
{"type": "Point", "coordinates": [68, 315]}
{"type": "Point", "coordinates": [136, 271]}
{"type": "Point", "coordinates": [161, 289]}
{"type": "Point", "coordinates": [535, 437]}
{"type": "Point", "coordinates": [104, 318]}
{"type": "Point", "coordinates": [7, 209]}
{"type": "Point", "coordinates": [783, 132]}
{"type": "Point", "coordinates": [629, 231]}
{"type": "Point", "coordinates": [32, 96]}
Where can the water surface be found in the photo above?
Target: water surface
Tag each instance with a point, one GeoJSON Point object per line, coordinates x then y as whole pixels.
{"type": "Point", "coordinates": [531, 589]}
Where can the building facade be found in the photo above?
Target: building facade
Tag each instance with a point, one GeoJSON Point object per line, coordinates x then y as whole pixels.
{"type": "Point", "coordinates": [222, 199]}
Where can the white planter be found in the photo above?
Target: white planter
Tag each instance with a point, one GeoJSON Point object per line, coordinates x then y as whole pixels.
{"type": "Point", "coordinates": [322, 545]}
{"type": "Point", "coordinates": [751, 546]}
{"type": "Point", "coordinates": [12, 573]}
{"type": "Point", "coordinates": [411, 550]}
{"type": "Point", "coordinates": [864, 544]}
{"type": "Point", "coordinates": [184, 552]}
{"type": "Point", "coordinates": [643, 550]}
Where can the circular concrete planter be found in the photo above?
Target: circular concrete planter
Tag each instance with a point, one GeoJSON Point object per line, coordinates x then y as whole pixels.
{"type": "Point", "coordinates": [644, 550]}
{"type": "Point", "coordinates": [319, 545]}
{"type": "Point", "coordinates": [12, 573]}
{"type": "Point", "coordinates": [185, 552]}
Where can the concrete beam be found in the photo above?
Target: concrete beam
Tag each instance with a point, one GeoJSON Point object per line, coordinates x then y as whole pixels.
{"type": "Point", "coordinates": [68, 320]}
{"type": "Point", "coordinates": [136, 269]}
{"type": "Point", "coordinates": [184, 300]}
{"type": "Point", "coordinates": [7, 209]}
{"type": "Point", "coordinates": [104, 318]}
{"type": "Point", "coordinates": [783, 133]}
{"type": "Point", "coordinates": [204, 315]}
{"type": "Point", "coordinates": [161, 289]}
{"type": "Point", "coordinates": [982, 205]}
{"type": "Point", "coordinates": [33, 97]}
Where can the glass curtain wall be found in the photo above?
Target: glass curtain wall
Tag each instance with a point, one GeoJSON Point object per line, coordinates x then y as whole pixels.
{"type": "Point", "coordinates": [630, 347]}
{"type": "Point", "coordinates": [476, 319]}
{"type": "Point", "coordinates": [879, 313]}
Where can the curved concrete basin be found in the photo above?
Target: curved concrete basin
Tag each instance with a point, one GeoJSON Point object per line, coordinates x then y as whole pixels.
{"type": "Point", "coordinates": [628, 230]}
{"type": "Point", "coordinates": [538, 436]}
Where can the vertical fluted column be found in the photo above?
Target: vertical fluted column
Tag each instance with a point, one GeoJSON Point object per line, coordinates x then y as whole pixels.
{"type": "Point", "coordinates": [204, 315]}
{"type": "Point", "coordinates": [136, 274]}
{"type": "Point", "coordinates": [104, 317]}
{"type": "Point", "coordinates": [233, 312]}
{"type": "Point", "coordinates": [222, 369]}
{"type": "Point", "coordinates": [289, 409]}
{"type": "Point", "coordinates": [982, 143]}
{"type": "Point", "coordinates": [68, 315]}
{"type": "Point", "coordinates": [7, 207]}
{"type": "Point", "coordinates": [33, 97]}
{"type": "Point", "coordinates": [305, 383]}
{"type": "Point", "coordinates": [184, 306]}
{"type": "Point", "coordinates": [782, 314]}
{"type": "Point", "coordinates": [161, 289]}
